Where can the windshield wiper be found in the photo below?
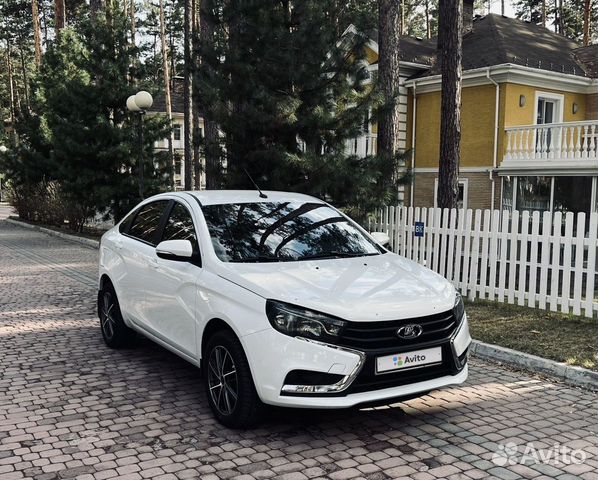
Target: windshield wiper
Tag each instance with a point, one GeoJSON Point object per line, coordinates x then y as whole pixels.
{"type": "Point", "coordinates": [335, 254]}
{"type": "Point", "coordinates": [258, 259]}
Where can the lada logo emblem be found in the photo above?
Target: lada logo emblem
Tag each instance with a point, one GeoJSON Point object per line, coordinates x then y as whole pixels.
{"type": "Point", "coordinates": [410, 331]}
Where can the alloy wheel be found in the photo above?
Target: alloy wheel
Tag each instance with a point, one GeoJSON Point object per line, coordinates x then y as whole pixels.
{"type": "Point", "coordinates": [108, 321]}
{"type": "Point", "coordinates": [222, 380]}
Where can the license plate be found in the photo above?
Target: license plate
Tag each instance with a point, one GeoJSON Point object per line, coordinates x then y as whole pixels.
{"type": "Point", "coordinates": [407, 360]}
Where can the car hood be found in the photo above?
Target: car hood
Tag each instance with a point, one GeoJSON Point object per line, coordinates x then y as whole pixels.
{"type": "Point", "coordinates": [380, 287]}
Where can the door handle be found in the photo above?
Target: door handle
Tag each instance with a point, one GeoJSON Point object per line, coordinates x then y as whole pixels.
{"type": "Point", "coordinates": [153, 262]}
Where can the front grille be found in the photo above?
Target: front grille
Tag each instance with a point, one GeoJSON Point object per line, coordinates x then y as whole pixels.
{"type": "Point", "coordinates": [372, 336]}
{"type": "Point", "coordinates": [368, 380]}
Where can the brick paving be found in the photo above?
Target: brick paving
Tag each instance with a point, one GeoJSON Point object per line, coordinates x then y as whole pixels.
{"type": "Point", "coordinates": [70, 407]}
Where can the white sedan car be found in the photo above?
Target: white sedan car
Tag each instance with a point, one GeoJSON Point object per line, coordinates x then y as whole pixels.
{"type": "Point", "coordinates": [282, 300]}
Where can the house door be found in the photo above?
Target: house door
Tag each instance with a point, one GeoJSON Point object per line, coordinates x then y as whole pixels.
{"type": "Point", "coordinates": [546, 114]}
{"type": "Point", "coordinates": [546, 110]}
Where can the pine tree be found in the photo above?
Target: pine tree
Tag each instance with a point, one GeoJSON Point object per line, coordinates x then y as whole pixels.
{"type": "Point", "coordinates": [288, 92]}
{"type": "Point", "coordinates": [449, 51]}
{"type": "Point", "coordinates": [203, 73]}
{"type": "Point", "coordinates": [86, 138]}
{"type": "Point", "coordinates": [388, 76]}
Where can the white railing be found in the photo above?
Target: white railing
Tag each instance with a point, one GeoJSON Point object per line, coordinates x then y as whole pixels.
{"type": "Point", "coordinates": [362, 146]}
{"type": "Point", "coordinates": [571, 140]}
{"type": "Point", "coordinates": [544, 261]}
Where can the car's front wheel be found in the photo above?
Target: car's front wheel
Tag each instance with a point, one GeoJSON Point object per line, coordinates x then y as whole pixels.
{"type": "Point", "coordinates": [229, 384]}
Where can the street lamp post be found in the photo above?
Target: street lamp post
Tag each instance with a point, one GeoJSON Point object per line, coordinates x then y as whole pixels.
{"type": "Point", "coordinates": [139, 103]}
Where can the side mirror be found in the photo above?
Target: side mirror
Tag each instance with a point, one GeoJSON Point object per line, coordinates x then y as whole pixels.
{"type": "Point", "coordinates": [178, 250]}
{"type": "Point", "coordinates": [381, 238]}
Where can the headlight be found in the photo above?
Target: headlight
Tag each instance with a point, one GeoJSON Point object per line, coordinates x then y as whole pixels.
{"type": "Point", "coordinates": [459, 308]}
{"type": "Point", "coordinates": [300, 322]}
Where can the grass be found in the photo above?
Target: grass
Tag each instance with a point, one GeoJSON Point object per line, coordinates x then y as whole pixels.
{"type": "Point", "coordinates": [564, 338]}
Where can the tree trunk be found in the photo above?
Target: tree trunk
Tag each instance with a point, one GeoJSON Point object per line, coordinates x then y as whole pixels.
{"type": "Point", "coordinates": [388, 77]}
{"type": "Point", "coordinates": [133, 23]}
{"type": "Point", "coordinates": [187, 96]}
{"type": "Point", "coordinates": [587, 14]}
{"type": "Point", "coordinates": [544, 13]}
{"type": "Point", "coordinates": [25, 76]}
{"type": "Point", "coordinates": [37, 34]}
{"type": "Point", "coordinates": [11, 90]}
{"type": "Point", "coordinates": [45, 21]}
{"type": "Point", "coordinates": [560, 23]}
{"type": "Point", "coordinates": [427, 10]}
{"type": "Point", "coordinates": [195, 107]}
{"type": "Point", "coordinates": [402, 12]}
{"type": "Point", "coordinates": [502, 7]}
{"type": "Point", "coordinates": [172, 47]}
{"type": "Point", "coordinates": [449, 48]}
{"type": "Point", "coordinates": [59, 16]}
{"type": "Point", "coordinates": [165, 66]}
{"type": "Point", "coordinates": [211, 149]}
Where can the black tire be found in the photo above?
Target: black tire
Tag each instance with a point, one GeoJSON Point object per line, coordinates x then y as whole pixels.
{"type": "Point", "coordinates": [246, 409]}
{"type": "Point", "coordinates": [114, 331]}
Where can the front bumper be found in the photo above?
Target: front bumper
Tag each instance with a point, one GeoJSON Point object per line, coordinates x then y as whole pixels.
{"type": "Point", "coordinates": [273, 355]}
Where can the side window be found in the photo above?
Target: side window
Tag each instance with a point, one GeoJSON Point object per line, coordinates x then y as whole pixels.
{"type": "Point", "coordinates": [147, 221]}
{"type": "Point", "coordinates": [126, 223]}
{"type": "Point", "coordinates": [180, 226]}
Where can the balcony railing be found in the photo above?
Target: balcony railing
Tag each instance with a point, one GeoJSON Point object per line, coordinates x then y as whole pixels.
{"type": "Point", "coordinates": [363, 146]}
{"type": "Point", "coordinates": [552, 141]}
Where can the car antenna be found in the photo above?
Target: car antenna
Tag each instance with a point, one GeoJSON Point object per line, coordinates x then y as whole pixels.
{"type": "Point", "coordinates": [262, 194]}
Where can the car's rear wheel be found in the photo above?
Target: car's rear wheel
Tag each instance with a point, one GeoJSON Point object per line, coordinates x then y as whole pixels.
{"type": "Point", "coordinates": [116, 334]}
{"type": "Point", "coordinates": [229, 384]}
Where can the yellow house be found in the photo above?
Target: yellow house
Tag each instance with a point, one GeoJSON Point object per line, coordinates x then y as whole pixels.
{"type": "Point", "coordinates": [178, 130]}
{"type": "Point", "coordinates": [529, 120]}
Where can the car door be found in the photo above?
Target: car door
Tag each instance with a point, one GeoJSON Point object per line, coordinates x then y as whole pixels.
{"type": "Point", "coordinates": [137, 248]}
{"type": "Point", "coordinates": [171, 292]}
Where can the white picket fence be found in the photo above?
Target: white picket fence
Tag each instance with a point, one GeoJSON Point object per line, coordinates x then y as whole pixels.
{"type": "Point", "coordinates": [546, 261]}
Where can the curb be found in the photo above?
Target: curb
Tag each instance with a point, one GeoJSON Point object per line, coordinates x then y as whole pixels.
{"type": "Point", "coordinates": [576, 376]}
{"type": "Point", "coordinates": [87, 242]}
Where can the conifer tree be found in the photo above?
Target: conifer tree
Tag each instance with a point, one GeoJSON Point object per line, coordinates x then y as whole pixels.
{"type": "Point", "coordinates": [86, 139]}
{"type": "Point", "coordinates": [288, 92]}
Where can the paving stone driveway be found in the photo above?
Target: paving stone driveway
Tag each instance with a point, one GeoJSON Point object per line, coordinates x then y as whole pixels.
{"type": "Point", "coordinates": [70, 407]}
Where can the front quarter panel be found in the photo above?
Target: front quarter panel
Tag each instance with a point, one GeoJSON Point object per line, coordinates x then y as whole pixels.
{"type": "Point", "coordinates": [241, 309]}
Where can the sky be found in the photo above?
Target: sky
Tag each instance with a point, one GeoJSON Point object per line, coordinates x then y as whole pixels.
{"type": "Point", "coordinates": [509, 10]}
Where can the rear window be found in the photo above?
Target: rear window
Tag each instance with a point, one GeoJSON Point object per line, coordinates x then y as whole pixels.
{"type": "Point", "coordinates": [126, 223]}
{"type": "Point", "coordinates": [146, 223]}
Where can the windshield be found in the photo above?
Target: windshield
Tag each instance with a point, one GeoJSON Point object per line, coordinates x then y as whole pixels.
{"type": "Point", "coordinates": [283, 231]}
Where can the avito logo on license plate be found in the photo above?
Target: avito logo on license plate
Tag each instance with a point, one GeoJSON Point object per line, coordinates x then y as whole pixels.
{"type": "Point", "coordinates": [403, 361]}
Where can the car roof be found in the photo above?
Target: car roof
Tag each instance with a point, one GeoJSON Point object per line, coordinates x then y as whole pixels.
{"type": "Point", "coordinates": [217, 197]}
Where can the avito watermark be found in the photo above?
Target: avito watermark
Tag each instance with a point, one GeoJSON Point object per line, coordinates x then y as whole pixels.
{"type": "Point", "coordinates": [528, 454]}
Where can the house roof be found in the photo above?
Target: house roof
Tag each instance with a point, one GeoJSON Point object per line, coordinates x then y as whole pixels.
{"type": "Point", "coordinates": [176, 98]}
{"type": "Point", "coordinates": [412, 49]}
{"type": "Point", "coordinates": [588, 58]}
{"type": "Point", "coordinates": [497, 40]}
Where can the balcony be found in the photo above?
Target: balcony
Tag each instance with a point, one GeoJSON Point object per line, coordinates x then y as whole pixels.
{"type": "Point", "coordinates": [362, 146]}
{"type": "Point", "coordinates": [558, 145]}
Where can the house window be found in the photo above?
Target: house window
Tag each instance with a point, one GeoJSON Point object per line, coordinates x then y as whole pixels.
{"type": "Point", "coordinates": [533, 193]}
{"type": "Point", "coordinates": [177, 164]}
{"type": "Point", "coordinates": [572, 194]}
{"type": "Point", "coordinates": [508, 192]}
{"type": "Point", "coordinates": [550, 194]}
{"type": "Point", "coordinates": [176, 131]}
{"type": "Point", "coordinates": [549, 108]}
{"type": "Point", "coordinates": [462, 195]}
